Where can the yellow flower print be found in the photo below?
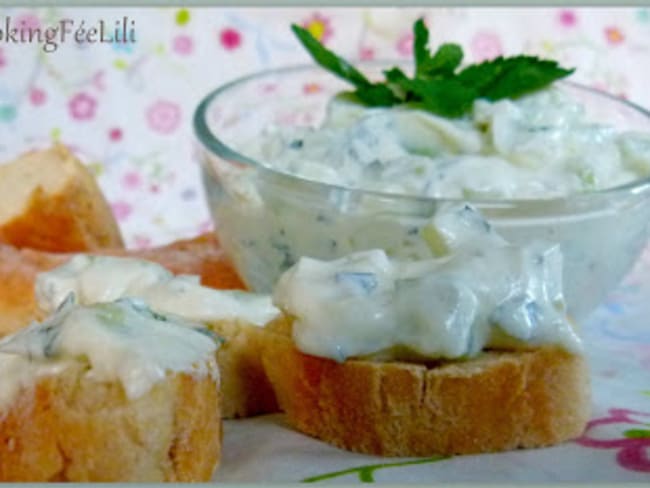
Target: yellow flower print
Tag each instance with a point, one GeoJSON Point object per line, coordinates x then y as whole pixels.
{"type": "Point", "coordinates": [319, 26]}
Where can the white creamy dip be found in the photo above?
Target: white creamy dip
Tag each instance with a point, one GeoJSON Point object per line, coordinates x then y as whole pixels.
{"type": "Point", "coordinates": [542, 146]}
{"type": "Point", "coordinates": [483, 293]}
{"type": "Point", "coordinates": [539, 146]}
{"type": "Point", "coordinates": [121, 341]}
{"type": "Point", "coordinates": [96, 279]}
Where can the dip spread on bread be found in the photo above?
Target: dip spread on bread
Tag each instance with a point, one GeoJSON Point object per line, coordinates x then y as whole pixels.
{"type": "Point", "coordinates": [96, 279]}
{"type": "Point", "coordinates": [121, 341]}
{"type": "Point", "coordinates": [483, 292]}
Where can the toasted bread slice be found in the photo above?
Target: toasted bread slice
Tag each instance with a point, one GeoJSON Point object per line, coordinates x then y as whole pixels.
{"type": "Point", "coordinates": [71, 428]}
{"type": "Point", "coordinates": [109, 392]}
{"type": "Point", "coordinates": [497, 401]}
{"type": "Point", "coordinates": [52, 202]}
{"type": "Point", "coordinates": [18, 269]}
{"type": "Point", "coordinates": [246, 390]}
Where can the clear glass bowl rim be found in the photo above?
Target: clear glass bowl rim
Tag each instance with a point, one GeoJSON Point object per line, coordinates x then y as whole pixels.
{"type": "Point", "coordinates": [211, 142]}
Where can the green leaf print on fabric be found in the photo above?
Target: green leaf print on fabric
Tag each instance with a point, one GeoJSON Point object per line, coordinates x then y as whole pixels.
{"type": "Point", "coordinates": [637, 434]}
{"type": "Point", "coordinates": [366, 472]}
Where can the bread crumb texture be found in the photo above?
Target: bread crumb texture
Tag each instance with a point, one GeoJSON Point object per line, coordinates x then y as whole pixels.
{"type": "Point", "coordinates": [69, 427]}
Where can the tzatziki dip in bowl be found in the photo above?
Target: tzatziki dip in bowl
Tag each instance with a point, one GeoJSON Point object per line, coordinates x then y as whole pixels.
{"type": "Point", "coordinates": [292, 167]}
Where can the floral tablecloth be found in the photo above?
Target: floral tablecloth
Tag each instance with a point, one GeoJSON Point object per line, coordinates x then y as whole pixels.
{"type": "Point", "coordinates": [126, 109]}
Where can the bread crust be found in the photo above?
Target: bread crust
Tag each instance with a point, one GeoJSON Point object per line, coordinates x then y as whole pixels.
{"type": "Point", "coordinates": [246, 390]}
{"type": "Point", "coordinates": [498, 401]}
{"type": "Point", "coordinates": [73, 217]}
{"type": "Point", "coordinates": [69, 427]}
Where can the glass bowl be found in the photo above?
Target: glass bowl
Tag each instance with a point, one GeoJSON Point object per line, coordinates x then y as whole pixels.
{"type": "Point", "coordinates": [266, 219]}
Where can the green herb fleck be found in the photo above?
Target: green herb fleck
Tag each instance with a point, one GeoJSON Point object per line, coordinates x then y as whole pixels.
{"type": "Point", "coordinates": [438, 85]}
{"type": "Point", "coordinates": [110, 314]}
{"type": "Point", "coordinates": [211, 334]}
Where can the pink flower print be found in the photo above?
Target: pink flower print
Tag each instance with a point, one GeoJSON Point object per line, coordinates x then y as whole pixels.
{"type": "Point", "coordinates": [567, 18]}
{"type": "Point", "coordinates": [37, 97]}
{"type": "Point", "coordinates": [115, 134]}
{"type": "Point", "coordinates": [230, 38]}
{"type": "Point", "coordinates": [164, 117]}
{"type": "Point", "coordinates": [28, 22]}
{"type": "Point", "coordinates": [404, 45]}
{"type": "Point", "coordinates": [183, 45]}
{"type": "Point", "coordinates": [633, 449]}
{"type": "Point", "coordinates": [486, 45]}
{"type": "Point", "coordinates": [82, 106]}
{"type": "Point", "coordinates": [614, 35]}
{"type": "Point", "coordinates": [131, 180]}
{"type": "Point", "coordinates": [366, 53]}
{"type": "Point", "coordinates": [319, 26]}
{"type": "Point", "coordinates": [122, 210]}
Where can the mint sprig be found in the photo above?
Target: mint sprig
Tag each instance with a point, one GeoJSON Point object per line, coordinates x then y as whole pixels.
{"type": "Point", "coordinates": [438, 84]}
{"type": "Point", "coordinates": [373, 94]}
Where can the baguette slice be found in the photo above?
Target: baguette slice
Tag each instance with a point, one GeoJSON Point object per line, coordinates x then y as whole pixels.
{"type": "Point", "coordinates": [18, 269]}
{"type": "Point", "coordinates": [495, 402]}
{"type": "Point", "coordinates": [70, 428]}
{"type": "Point", "coordinates": [246, 390]}
{"type": "Point", "coordinates": [51, 201]}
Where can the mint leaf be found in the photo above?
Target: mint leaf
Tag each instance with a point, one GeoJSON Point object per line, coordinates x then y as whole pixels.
{"type": "Point", "coordinates": [437, 85]}
{"type": "Point", "coordinates": [396, 79]}
{"type": "Point", "coordinates": [377, 95]}
{"type": "Point", "coordinates": [446, 59]}
{"type": "Point", "coordinates": [482, 75]}
{"type": "Point", "coordinates": [328, 60]}
{"type": "Point", "coordinates": [395, 75]}
{"type": "Point", "coordinates": [524, 74]}
{"type": "Point", "coordinates": [511, 77]}
{"type": "Point", "coordinates": [373, 94]}
{"type": "Point", "coordinates": [444, 62]}
{"type": "Point", "coordinates": [446, 97]}
{"type": "Point", "coordinates": [420, 49]}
